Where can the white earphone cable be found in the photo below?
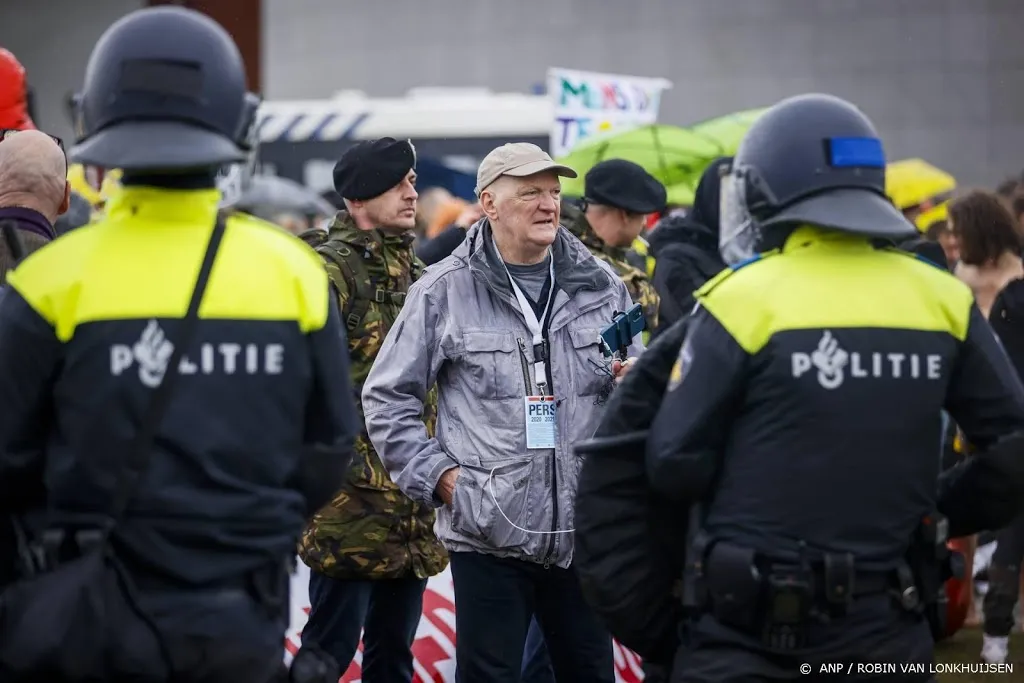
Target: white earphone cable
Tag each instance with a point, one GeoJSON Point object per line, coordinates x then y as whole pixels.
{"type": "Point", "coordinates": [494, 499]}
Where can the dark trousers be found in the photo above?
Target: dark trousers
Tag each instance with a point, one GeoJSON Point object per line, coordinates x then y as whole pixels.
{"type": "Point", "coordinates": [874, 629]}
{"type": "Point", "coordinates": [204, 660]}
{"type": "Point", "coordinates": [389, 610]}
{"type": "Point", "coordinates": [495, 600]}
{"type": "Point", "coordinates": [1004, 579]}
{"type": "Point", "coordinates": [654, 673]}
{"type": "Point", "coordinates": [536, 662]}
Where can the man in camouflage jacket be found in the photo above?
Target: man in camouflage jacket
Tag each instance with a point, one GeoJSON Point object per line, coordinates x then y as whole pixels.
{"type": "Point", "coordinates": [639, 285]}
{"type": "Point", "coordinates": [618, 196]}
{"type": "Point", "coordinates": [371, 549]}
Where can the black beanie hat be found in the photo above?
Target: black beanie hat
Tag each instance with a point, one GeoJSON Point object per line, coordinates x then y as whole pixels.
{"type": "Point", "coordinates": [370, 168]}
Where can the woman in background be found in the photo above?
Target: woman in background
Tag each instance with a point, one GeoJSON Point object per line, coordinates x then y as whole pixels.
{"type": "Point", "coordinates": [989, 244]}
{"type": "Point", "coordinates": [990, 264]}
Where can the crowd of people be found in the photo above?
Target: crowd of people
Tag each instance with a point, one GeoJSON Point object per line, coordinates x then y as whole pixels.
{"type": "Point", "coordinates": [412, 384]}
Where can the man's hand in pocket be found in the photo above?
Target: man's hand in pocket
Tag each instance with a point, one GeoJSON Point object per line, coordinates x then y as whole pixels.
{"type": "Point", "coordinates": [446, 485]}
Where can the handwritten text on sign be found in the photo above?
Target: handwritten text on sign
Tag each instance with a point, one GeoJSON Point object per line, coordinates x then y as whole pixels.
{"type": "Point", "coordinates": [586, 103]}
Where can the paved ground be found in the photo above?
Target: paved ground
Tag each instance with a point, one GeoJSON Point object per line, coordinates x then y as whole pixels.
{"type": "Point", "coordinates": [965, 647]}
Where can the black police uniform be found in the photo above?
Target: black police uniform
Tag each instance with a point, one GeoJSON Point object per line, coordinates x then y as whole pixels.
{"type": "Point", "coordinates": [804, 410]}
{"type": "Point", "coordinates": [259, 431]}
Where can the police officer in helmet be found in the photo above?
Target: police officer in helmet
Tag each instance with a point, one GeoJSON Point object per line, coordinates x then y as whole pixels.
{"type": "Point", "coordinates": [804, 412]}
{"type": "Point", "coordinates": [234, 424]}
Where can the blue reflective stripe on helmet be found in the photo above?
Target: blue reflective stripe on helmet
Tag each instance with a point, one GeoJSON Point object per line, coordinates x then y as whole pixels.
{"type": "Point", "coordinates": [856, 152]}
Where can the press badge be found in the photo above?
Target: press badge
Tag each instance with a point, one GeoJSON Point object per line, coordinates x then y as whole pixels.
{"type": "Point", "coordinates": [540, 421]}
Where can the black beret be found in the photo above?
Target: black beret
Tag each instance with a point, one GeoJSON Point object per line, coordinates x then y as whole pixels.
{"type": "Point", "coordinates": [624, 185]}
{"type": "Point", "coordinates": [370, 168]}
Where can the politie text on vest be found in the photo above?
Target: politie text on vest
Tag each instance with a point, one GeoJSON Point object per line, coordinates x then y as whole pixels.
{"type": "Point", "coordinates": [833, 364]}
{"type": "Point", "coordinates": [153, 351]}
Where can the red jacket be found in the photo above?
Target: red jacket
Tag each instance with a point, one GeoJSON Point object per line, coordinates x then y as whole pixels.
{"type": "Point", "coordinates": [13, 101]}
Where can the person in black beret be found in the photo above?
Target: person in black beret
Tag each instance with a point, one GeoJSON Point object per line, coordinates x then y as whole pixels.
{"type": "Point", "coordinates": [618, 195]}
{"type": "Point", "coordinates": [623, 185]}
{"type": "Point", "coordinates": [371, 550]}
{"type": "Point", "coordinates": [370, 168]}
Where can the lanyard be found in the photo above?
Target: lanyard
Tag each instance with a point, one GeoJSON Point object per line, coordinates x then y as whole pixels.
{"type": "Point", "coordinates": [534, 325]}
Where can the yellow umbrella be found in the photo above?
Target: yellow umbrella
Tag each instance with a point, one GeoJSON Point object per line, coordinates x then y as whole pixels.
{"type": "Point", "coordinates": [913, 182]}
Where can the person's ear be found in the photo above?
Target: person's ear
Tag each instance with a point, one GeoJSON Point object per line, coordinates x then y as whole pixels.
{"type": "Point", "coordinates": [65, 203]}
{"type": "Point", "coordinates": [488, 204]}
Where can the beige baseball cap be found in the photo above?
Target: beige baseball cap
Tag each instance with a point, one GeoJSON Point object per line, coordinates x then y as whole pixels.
{"type": "Point", "coordinates": [518, 159]}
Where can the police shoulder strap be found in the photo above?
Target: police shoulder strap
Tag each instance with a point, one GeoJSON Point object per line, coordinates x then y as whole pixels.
{"type": "Point", "coordinates": [139, 450]}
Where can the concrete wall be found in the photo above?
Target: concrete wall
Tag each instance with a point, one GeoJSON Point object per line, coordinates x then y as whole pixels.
{"type": "Point", "coordinates": [943, 79]}
{"type": "Point", "coordinates": [53, 39]}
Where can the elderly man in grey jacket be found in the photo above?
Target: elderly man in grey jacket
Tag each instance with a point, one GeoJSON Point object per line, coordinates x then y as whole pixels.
{"type": "Point", "coordinates": [508, 328]}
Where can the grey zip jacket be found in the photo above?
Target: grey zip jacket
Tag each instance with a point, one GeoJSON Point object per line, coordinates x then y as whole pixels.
{"type": "Point", "coordinates": [461, 328]}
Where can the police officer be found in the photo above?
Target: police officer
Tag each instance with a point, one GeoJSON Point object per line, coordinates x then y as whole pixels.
{"type": "Point", "coordinates": [371, 549]}
{"type": "Point", "coordinates": [618, 195]}
{"type": "Point", "coordinates": [804, 409]}
{"type": "Point", "coordinates": [259, 430]}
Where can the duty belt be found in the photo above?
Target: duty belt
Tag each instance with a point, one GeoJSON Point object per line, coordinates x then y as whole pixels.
{"type": "Point", "coordinates": [773, 600]}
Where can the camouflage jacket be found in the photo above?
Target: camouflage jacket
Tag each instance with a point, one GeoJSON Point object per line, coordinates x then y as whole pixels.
{"type": "Point", "coordinates": [641, 290]}
{"type": "Point", "coordinates": [371, 530]}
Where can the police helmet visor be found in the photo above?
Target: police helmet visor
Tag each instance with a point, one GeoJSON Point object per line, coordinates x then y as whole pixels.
{"type": "Point", "coordinates": [234, 180]}
{"type": "Point", "coordinates": [739, 234]}
{"type": "Point", "coordinates": [6, 133]}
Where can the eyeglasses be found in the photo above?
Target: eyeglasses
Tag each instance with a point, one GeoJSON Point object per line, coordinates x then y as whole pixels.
{"type": "Point", "coordinates": [6, 133]}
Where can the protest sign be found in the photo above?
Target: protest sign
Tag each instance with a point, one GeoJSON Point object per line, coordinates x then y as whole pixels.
{"type": "Point", "coordinates": [586, 103]}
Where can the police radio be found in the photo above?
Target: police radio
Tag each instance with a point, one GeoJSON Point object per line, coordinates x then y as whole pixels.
{"type": "Point", "coordinates": [616, 338]}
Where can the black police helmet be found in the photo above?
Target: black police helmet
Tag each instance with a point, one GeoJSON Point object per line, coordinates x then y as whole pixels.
{"type": "Point", "coordinates": [164, 91]}
{"type": "Point", "coordinates": [817, 159]}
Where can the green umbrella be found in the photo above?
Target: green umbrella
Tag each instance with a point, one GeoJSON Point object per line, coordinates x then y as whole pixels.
{"type": "Point", "coordinates": [727, 131]}
{"type": "Point", "coordinates": [680, 194]}
{"type": "Point", "coordinates": [669, 153]}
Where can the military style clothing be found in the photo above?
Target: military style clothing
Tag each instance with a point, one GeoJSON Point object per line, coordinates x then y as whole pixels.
{"type": "Point", "coordinates": [641, 256]}
{"type": "Point", "coordinates": [371, 530]}
{"type": "Point", "coordinates": [639, 285]}
{"type": "Point", "coordinates": [85, 338]}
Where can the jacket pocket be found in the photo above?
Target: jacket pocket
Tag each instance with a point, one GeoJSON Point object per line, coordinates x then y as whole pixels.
{"type": "Point", "coordinates": [591, 368]}
{"type": "Point", "coordinates": [490, 502]}
{"type": "Point", "coordinates": [492, 364]}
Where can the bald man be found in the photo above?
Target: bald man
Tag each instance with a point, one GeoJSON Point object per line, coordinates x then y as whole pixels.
{"type": "Point", "coordinates": [34, 190]}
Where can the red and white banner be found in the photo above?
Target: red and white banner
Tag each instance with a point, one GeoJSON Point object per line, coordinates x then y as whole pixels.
{"type": "Point", "coordinates": [434, 648]}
